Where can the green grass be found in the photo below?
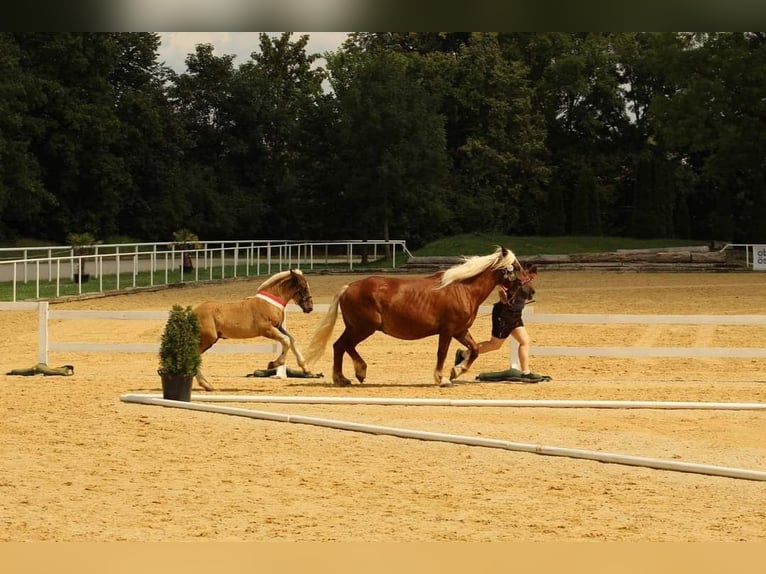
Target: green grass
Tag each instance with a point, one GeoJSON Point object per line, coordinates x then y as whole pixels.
{"type": "Point", "coordinates": [67, 287]}
{"type": "Point", "coordinates": [484, 243]}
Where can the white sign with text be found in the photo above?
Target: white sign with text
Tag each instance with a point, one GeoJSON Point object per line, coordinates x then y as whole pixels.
{"type": "Point", "coordinates": [759, 257]}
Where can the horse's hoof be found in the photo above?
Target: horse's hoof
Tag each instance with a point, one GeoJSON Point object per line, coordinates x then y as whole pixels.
{"type": "Point", "coordinates": [446, 383]}
{"type": "Point", "coordinates": [341, 381]}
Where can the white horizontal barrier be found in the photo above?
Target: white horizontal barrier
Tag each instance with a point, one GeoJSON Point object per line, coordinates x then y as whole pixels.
{"type": "Point", "coordinates": [155, 348]}
{"type": "Point", "coordinates": [529, 316]}
{"type": "Point", "coordinates": [645, 352]}
{"type": "Point", "coordinates": [562, 318]}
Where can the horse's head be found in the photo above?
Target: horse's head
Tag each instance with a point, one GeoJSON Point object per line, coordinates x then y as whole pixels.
{"type": "Point", "coordinates": [516, 282]}
{"type": "Point", "coordinates": [301, 292]}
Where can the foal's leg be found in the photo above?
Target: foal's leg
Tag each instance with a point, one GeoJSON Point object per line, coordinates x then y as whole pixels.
{"type": "Point", "coordinates": [205, 342]}
{"type": "Point", "coordinates": [296, 351]}
{"type": "Point", "coordinates": [280, 336]}
{"type": "Point", "coordinates": [203, 382]}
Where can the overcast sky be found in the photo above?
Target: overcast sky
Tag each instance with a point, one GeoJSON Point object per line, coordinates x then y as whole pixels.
{"type": "Point", "coordinates": [177, 45]}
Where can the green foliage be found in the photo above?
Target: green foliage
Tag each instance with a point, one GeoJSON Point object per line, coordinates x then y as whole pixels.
{"type": "Point", "coordinates": [420, 135]}
{"type": "Point", "coordinates": [186, 239]}
{"type": "Point", "coordinates": [179, 346]}
{"type": "Point", "coordinates": [393, 156]}
{"type": "Point", "coordinates": [499, 141]}
{"type": "Point", "coordinates": [81, 241]}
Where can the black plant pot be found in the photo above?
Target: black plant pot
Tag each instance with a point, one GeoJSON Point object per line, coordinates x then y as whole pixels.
{"type": "Point", "coordinates": [176, 387]}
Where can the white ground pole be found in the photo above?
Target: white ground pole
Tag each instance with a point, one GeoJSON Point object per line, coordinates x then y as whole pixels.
{"type": "Point", "coordinates": [655, 463]}
{"type": "Point", "coordinates": [546, 403]}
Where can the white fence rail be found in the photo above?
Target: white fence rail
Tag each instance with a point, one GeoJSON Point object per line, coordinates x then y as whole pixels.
{"type": "Point", "coordinates": [45, 345]}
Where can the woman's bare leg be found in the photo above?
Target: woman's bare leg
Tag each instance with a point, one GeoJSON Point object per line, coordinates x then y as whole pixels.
{"type": "Point", "coordinates": [492, 344]}
{"type": "Point", "coordinates": [523, 339]}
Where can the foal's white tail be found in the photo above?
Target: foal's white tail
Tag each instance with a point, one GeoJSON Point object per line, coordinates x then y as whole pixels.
{"type": "Point", "coordinates": [324, 329]}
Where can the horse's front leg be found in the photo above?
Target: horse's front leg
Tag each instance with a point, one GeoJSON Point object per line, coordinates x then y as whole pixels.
{"type": "Point", "coordinates": [441, 357]}
{"type": "Point", "coordinates": [278, 335]}
{"type": "Point", "coordinates": [473, 353]}
{"type": "Point", "coordinates": [296, 351]}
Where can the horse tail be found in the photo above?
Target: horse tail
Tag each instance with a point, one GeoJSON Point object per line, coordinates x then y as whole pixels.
{"type": "Point", "coordinates": [324, 329]}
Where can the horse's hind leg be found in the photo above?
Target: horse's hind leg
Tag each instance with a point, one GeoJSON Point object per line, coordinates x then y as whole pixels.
{"type": "Point", "coordinates": [338, 348]}
{"type": "Point", "coordinates": [203, 382]}
{"type": "Point", "coordinates": [360, 367]}
{"type": "Point", "coordinates": [347, 343]}
{"type": "Point", "coordinates": [205, 342]}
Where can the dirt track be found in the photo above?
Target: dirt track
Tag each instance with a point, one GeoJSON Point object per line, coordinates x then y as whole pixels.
{"type": "Point", "coordinates": [78, 464]}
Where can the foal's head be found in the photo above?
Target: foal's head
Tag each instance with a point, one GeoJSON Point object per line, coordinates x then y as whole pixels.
{"type": "Point", "coordinates": [301, 294]}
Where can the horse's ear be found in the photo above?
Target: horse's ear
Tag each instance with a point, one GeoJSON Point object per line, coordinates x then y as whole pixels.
{"type": "Point", "coordinates": [504, 251]}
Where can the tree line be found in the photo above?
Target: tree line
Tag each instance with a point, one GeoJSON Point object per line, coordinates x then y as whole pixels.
{"type": "Point", "coordinates": [406, 135]}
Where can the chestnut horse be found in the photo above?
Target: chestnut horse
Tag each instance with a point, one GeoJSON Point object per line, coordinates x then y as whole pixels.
{"type": "Point", "coordinates": [444, 304]}
{"type": "Point", "coordinates": [260, 315]}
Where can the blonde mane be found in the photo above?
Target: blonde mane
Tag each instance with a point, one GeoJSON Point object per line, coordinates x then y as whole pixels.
{"type": "Point", "coordinates": [475, 265]}
{"type": "Point", "coordinates": [279, 277]}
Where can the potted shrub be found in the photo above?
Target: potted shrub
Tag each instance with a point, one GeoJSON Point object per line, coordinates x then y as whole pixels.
{"type": "Point", "coordinates": [185, 241]}
{"type": "Point", "coordinates": [179, 356]}
{"type": "Point", "coordinates": [82, 244]}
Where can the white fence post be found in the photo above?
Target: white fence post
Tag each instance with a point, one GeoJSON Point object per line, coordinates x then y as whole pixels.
{"type": "Point", "coordinates": [42, 335]}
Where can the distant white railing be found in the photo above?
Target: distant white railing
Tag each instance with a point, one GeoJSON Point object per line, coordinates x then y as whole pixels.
{"type": "Point", "coordinates": [214, 259]}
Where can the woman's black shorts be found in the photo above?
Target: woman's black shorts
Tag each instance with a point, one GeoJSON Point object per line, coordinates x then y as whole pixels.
{"type": "Point", "coordinates": [504, 320]}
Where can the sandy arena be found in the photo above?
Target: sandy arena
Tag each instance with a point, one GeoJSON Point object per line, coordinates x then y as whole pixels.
{"type": "Point", "coordinates": [78, 464]}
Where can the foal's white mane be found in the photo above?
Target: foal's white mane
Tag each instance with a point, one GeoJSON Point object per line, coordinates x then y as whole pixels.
{"type": "Point", "coordinates": [472, 266]}
{"type": "Point", "coordinates": [281, 276]}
